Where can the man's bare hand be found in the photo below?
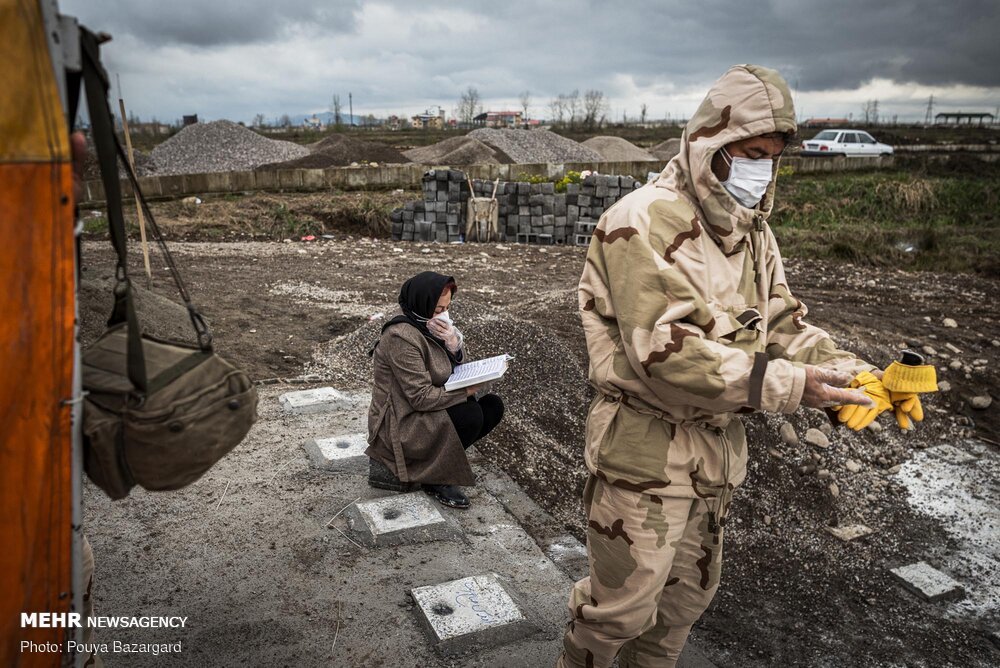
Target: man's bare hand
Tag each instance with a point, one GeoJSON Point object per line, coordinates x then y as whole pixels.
{"type": "Point", "coordinates": [469, 391]}
{"type": "Point", "coordinates": [825, 389]}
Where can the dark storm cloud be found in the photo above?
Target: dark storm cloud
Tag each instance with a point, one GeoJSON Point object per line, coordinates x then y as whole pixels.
{"type": "Point", "coordinates": [239, 58]}
{"type": "Point", "coordinates": [209, 23]}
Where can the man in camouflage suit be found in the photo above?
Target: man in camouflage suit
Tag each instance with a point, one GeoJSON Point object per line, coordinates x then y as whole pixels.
{"type": "Point", "coordinates": [689, 319]}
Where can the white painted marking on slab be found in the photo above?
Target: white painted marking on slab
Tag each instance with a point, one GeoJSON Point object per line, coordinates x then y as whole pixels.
{"type": "Point", "coordinates": [462, 607]}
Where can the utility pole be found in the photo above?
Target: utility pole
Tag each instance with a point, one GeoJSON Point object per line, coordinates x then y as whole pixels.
{"type": "Point", "coordinates": [930, 110]}
{"type": "Point", "coordinates": [350, 106]}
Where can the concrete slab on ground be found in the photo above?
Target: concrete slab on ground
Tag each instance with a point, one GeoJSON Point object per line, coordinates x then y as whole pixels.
{"type": "Point", "coordinates": [398, 519]}
{"type": "Point", "coordinates": [344, 452]}
{"type": "Point", "coordinates": [928, 583]}
{"type": "Point", "coordinates": [316, 400]}
{"type": "Point", "coordinates": [470, 613]}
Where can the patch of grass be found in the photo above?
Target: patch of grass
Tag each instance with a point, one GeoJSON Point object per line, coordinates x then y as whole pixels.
{"type": "Point", "coordinates": [932, 218]}
{"type": "Point", "coordinates": [95, 225]}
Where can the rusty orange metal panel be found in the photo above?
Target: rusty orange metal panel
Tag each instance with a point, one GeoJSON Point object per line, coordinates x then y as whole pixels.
{"type": "Point", "coordinates": [36, 363]}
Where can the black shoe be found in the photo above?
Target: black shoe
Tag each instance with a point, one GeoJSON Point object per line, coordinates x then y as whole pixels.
{"type": "Point", "coordinates": [448, 495]}
{"type": "Point", "coordinates": [380, 476]}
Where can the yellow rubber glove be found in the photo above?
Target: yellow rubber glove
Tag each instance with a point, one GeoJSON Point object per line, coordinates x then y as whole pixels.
{"type": "Point", "coordinates": [905, 382]}
{"type": "Point", "coordinates": [906, 406]}
{"type": "Point", "coordinates": [859, 417]}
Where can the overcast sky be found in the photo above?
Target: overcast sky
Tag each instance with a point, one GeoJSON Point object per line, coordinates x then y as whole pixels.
{"type": "Point", "coordinates": [234, 59]}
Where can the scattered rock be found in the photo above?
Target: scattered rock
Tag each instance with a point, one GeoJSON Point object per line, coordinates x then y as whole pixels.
{"type": "Point", "coordinates": [834, 490]}
{"type": "Point", "coordinates": [875, 427]}
{"type": "Point", "coordinates": [929, 351]}
{"type": "Point", "coordinates": [826, 428]}
{"type": "Point", "coordinates": [767, 520]}
{"type": "Point", "coordinates": [949, 322]}
{"type": "Point", "coordinates": [955, 364]}
{"type": "Point", "coordinates": [849, 533]}
{"type": "Point", "coordinates": [982, 402]}
{"type": "Point", "coordinates": [774, 453]}
{"type": "Point", "coordinates": [817, 438]}
{"type": "Point", "coordinates": [953, 349]}
{"type": "Point", "coordinates": [852, 466]}
{"type": "Point", "coordinates": [787, 434]}
{"type": "Point", "coordinates": [944, 386]}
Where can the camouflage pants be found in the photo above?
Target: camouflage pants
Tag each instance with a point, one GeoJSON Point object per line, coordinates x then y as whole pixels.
{"type": "Point", "coordinates": [654, 568]}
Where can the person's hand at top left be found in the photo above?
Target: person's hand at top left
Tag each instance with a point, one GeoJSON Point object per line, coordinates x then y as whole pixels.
{"type": "Point", "coordinates": [445, 332]}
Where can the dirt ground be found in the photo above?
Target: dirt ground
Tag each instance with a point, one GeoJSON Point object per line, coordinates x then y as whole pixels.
{"type": "Point", "coordinates": [791, 594]}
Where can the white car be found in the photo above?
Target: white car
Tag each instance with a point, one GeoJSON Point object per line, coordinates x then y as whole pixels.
{"type": "Point", "coordinates": [849, 143]}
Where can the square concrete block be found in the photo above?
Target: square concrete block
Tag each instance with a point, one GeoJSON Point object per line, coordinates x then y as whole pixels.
{"type": "Point", "coordinates": [470, 614]}
{"type": "Point", "coordinates": [928, 583]}
{"type": "Point", "coordinates": [951, 454]}
{"type": "Point", "coordinates": [318, 400]}
{"type": "Point", "coordinates": [345, 452]}
{"type": "Point", "coordinates": [398, 519]}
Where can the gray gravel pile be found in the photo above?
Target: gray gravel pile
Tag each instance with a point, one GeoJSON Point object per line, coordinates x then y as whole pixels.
{"type": "Point", "coordinates": [617, 149]}
{"type": "Point", "coordinates": [536, 146]}
{"type": "Point", "coordinates": [666, 150]}
{"type": "Point", "coordinates": [220, 146]}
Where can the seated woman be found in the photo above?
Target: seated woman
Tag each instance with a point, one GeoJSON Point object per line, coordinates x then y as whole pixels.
{"type": "Point", "coordinates": [418, 432]}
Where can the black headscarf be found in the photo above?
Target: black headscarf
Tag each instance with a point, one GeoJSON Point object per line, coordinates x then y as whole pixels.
{"type": "Point", "coordinates": [418, 298]}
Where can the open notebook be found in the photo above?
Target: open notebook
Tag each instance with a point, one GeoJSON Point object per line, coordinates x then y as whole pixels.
{"type": "Point", "coordinates": [480, 371]}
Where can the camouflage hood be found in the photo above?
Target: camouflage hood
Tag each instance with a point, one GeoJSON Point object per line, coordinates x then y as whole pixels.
{"type": "Point", "coordinates": [745, 102]}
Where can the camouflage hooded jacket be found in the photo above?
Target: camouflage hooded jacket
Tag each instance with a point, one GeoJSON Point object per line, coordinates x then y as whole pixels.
{"type": "Point", "coordinates": [688, 315]}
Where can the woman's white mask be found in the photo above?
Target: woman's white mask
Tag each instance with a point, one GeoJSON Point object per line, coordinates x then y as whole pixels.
{"type": "Point", "coordinates": [748, 179]}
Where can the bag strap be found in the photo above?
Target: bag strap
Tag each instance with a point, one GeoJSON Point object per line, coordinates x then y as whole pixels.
{"type": "Point", "coordinates": [96, 83]}
{"type": "Point", "coordinates": [109, 151]}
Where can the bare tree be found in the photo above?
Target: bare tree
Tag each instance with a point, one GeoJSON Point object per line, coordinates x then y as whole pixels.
{"type": "Point", "coordinates": [286, 121]}
{"type": "Point", "coordinates": [525, 104]}
{"type": "Point", "coordinates": [642, 114]}
{"type": "Point", "coordinates": [258, 121]}
{"type": "Point", "coordinates": [870, 111]}
{"type": "Point", "coordinates": [557, 109]}
{"type": "Point", "coordinates": [337, 109]}
{"type": "Point", "coordinates": [594, 106]}
{"type": "Point", "coordinates": [573, 107]}
{"type": "Point", "coordinates": [469, 106]}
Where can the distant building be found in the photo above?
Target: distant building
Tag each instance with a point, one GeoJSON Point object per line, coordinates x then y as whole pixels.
{"type": "Point", "coordinates": [499, 119]}
{"type": "Point", "coordinates": [429, 121]}
{"type": "Point", "coordinates": [394, 122]}
{"type": "Point", "coordinates": [962, 118]}
{"type": "Point", "coordinates": [314, 122]}
{"type": "Point", "coordinates": [190, 120]}
{"type": "Point", "coordinates": [152, 128]}
{"type": "Point", "coordinates": [826, 122]}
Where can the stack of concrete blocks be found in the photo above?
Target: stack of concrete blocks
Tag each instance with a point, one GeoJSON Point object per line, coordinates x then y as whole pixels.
{"type": "Point", "coordinates": [438, 216]}
{"type": "Point", "coordinates": [528, 212]}
{"type": "Point", "coordinates": [598, 193]}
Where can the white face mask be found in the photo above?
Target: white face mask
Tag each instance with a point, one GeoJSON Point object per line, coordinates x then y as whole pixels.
{"type": "Point", "coordinates": [748, 179]}
{"type": "Point", "coordinates": [443, 315]}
